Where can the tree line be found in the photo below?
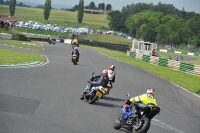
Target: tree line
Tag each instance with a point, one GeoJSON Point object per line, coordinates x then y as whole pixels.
{"type": "Point", "coordinates": [162, 23]}
{"type": "Point", "coordinates": [7, 2]}
{"type": "Point", "coordinates": [101, 6]}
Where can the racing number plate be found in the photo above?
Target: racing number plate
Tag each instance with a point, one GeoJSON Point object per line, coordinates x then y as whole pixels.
{"type": "Point", "coordinates": [74, 57]}
{"type": "Point", "coordinates": [99, 94]}
{"type": "Point", "coordinates": [106, 89]}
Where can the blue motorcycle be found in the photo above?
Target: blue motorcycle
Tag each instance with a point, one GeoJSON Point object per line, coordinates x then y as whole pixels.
{"type": "Point", "coordinates": [138, 121]}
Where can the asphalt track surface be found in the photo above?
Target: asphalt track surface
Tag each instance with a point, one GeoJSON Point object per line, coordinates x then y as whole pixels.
{"type": "Point", "coordinates": [45, 99]}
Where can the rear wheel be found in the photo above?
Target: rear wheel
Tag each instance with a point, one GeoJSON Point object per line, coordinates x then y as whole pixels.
{"type": "Point", "coordinates": [92, 98]}
{"type": "Point", "coordinates": [75, 63]}
{"type": "Point", "coordinates": [144, 125]}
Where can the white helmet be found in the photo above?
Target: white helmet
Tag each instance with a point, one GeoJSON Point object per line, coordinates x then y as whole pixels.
{"type": "Point", "coordinates": [150, 91]}
{"type": "Point", "coordinates": [75, 48]}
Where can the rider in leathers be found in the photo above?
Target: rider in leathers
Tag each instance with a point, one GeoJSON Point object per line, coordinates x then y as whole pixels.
{"type": "Point", "coordinates": [104, 78]}
{"type": "Point", "coordinates": [76, 52]}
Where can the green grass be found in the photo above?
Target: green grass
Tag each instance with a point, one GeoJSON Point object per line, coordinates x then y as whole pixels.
{"type": "Point", "coordinates": [107, 38]}
{"type": "Point", "coordinates": [17, 43]}
{"type": "Point", "coordinates": [59, 17]}
{"type": "Point", "coordinates": [14, 57]}
{"type": "Point", "coordinates": [177, 77]}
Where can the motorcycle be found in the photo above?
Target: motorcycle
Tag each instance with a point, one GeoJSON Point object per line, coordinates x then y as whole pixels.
{"type": "Point", "coordinates": [97, 92]}
{"type": "Point", "coordinates": [50, 41]}
{"type": "Point", "coordinates": [74, 59]}
{"type": "Point", "coordinates": [138, 121]}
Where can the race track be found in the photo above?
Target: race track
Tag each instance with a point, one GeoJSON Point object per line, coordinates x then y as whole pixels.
{"type": "Point", "coordinates": [46, 99]}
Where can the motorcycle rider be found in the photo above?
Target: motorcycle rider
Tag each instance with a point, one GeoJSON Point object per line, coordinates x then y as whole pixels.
{"type": "Point", "coordinates": [143, 100]}
{"type": "Point", "coordinates": [76, 52]}
{"type": "Point", "coordinates": [107, 76]}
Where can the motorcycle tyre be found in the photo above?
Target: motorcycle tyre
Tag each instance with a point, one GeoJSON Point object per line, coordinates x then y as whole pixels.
{"type": "Point", "coordinates": [146, 126]}
{"type": "Point", "coordinates": [118, 126]}
{"type": "Point", "coordinates": [75, 63]}
{"type": "Point", "coordinates": [93, 100]}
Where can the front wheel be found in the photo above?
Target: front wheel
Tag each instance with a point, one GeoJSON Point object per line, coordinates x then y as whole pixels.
{"type": "Point", "coordinates": [117, 123]}
{"type": "Point", "coordinates": [144, 125]}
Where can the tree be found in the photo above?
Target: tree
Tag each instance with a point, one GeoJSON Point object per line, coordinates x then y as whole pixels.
{"type": "Point", "coordinates": [108, 7]}
{"type": "Point", "coordinates": [39, 6]}
{"type": "Point", "coordinates": [47, 9]}
{"type": "Point", "coordinates": [92, 5]}
{"type": "Point", "coordinates": [12, 7]}
{"type": "Point", "coordinates": [1, 1]}
{"type": "Point", "coordinates": [101, 6]}
{"type": "Point", "coordinates": [75, 7]}
{"type": "Point", "coordinates": [115, 20]}
{"type": "Point", "coordinates": [80, 11]}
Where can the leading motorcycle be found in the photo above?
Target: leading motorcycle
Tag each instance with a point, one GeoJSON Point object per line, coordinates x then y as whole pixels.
{"type": "Point", "coordinates": [97, 92]}
{"type": "Point", "coordinates": [50, 41]}
{"type": "Point", "coordinates": [74, 59]}
{"type": "Point", "coordinates": [138, 121]}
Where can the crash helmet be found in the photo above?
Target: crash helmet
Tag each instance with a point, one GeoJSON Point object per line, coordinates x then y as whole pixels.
{"type": "Point", "coordinates": [112, 67]}
{"type": "Point", "coordinates": [150, 91]}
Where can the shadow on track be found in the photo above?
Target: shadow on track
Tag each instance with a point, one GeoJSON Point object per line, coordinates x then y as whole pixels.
{"type": "Point", "coordinates": [124, 130]}
{"type": "Point", "coordinates": [106, 105]}
{"type": "Point", "coordinates": [77, 64]}
{"type": "Point", "coordinates": [113, 99]}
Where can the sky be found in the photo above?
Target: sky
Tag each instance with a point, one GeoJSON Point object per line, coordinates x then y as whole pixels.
{"type": "Point", "coordinates": [189, 5]}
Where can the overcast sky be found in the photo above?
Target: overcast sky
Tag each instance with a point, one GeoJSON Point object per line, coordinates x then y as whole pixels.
{"type": "Point", "coordinates": [189, 5]}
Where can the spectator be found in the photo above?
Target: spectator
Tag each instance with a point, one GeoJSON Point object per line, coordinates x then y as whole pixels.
{"type": "Point", "coordinates": [170, 58]}
{"type": "Point", "coordinates": [154, 52]}
{"type": "Point", "coordinates": [181, 57]}
{"type": "Point", "coordinates": [176, 57]}
{"type": "Point", "coordinates": [130, 48]}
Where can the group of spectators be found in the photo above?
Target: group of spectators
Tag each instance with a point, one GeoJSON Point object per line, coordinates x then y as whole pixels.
{"type": "Point", "coordinates": [176, 57]}
{"type": "Point", "coordinates": [4, 24]}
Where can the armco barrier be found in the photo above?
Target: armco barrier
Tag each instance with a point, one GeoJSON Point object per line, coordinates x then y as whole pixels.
{"type": "Point", "coordinates": [110, 46]}
{"type": "Point", "coordinates": [176, 65]}
{"type": "Point", "coordinates": [118, 47]}
{"type": "Point", "coordinates": [178, 52]}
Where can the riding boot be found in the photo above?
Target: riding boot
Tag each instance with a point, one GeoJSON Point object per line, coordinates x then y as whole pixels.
{"type": "Point", "coordinates": [82, 96]}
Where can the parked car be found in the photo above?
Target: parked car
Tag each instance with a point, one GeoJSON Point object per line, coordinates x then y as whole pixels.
{"type": "Point", "coordinates": [68, 30]}
{"type": "Point", "coordinates": [83, 33]}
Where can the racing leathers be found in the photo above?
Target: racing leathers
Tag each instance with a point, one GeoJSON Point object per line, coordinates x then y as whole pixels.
{"type": "Point", "coordinates": [76, 52]}
{"type": "Point", "coordinates": [97, 81]}
{"type": "Point", "coordinates": [141, 101]}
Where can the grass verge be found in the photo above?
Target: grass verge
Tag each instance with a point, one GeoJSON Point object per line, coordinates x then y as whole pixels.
{"type": "Point", "coordinates": [174, 76]}
{"type": "Point", "coordinates": [15, 57]}
{"type": "Point", "coordinates": [25, 44]}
